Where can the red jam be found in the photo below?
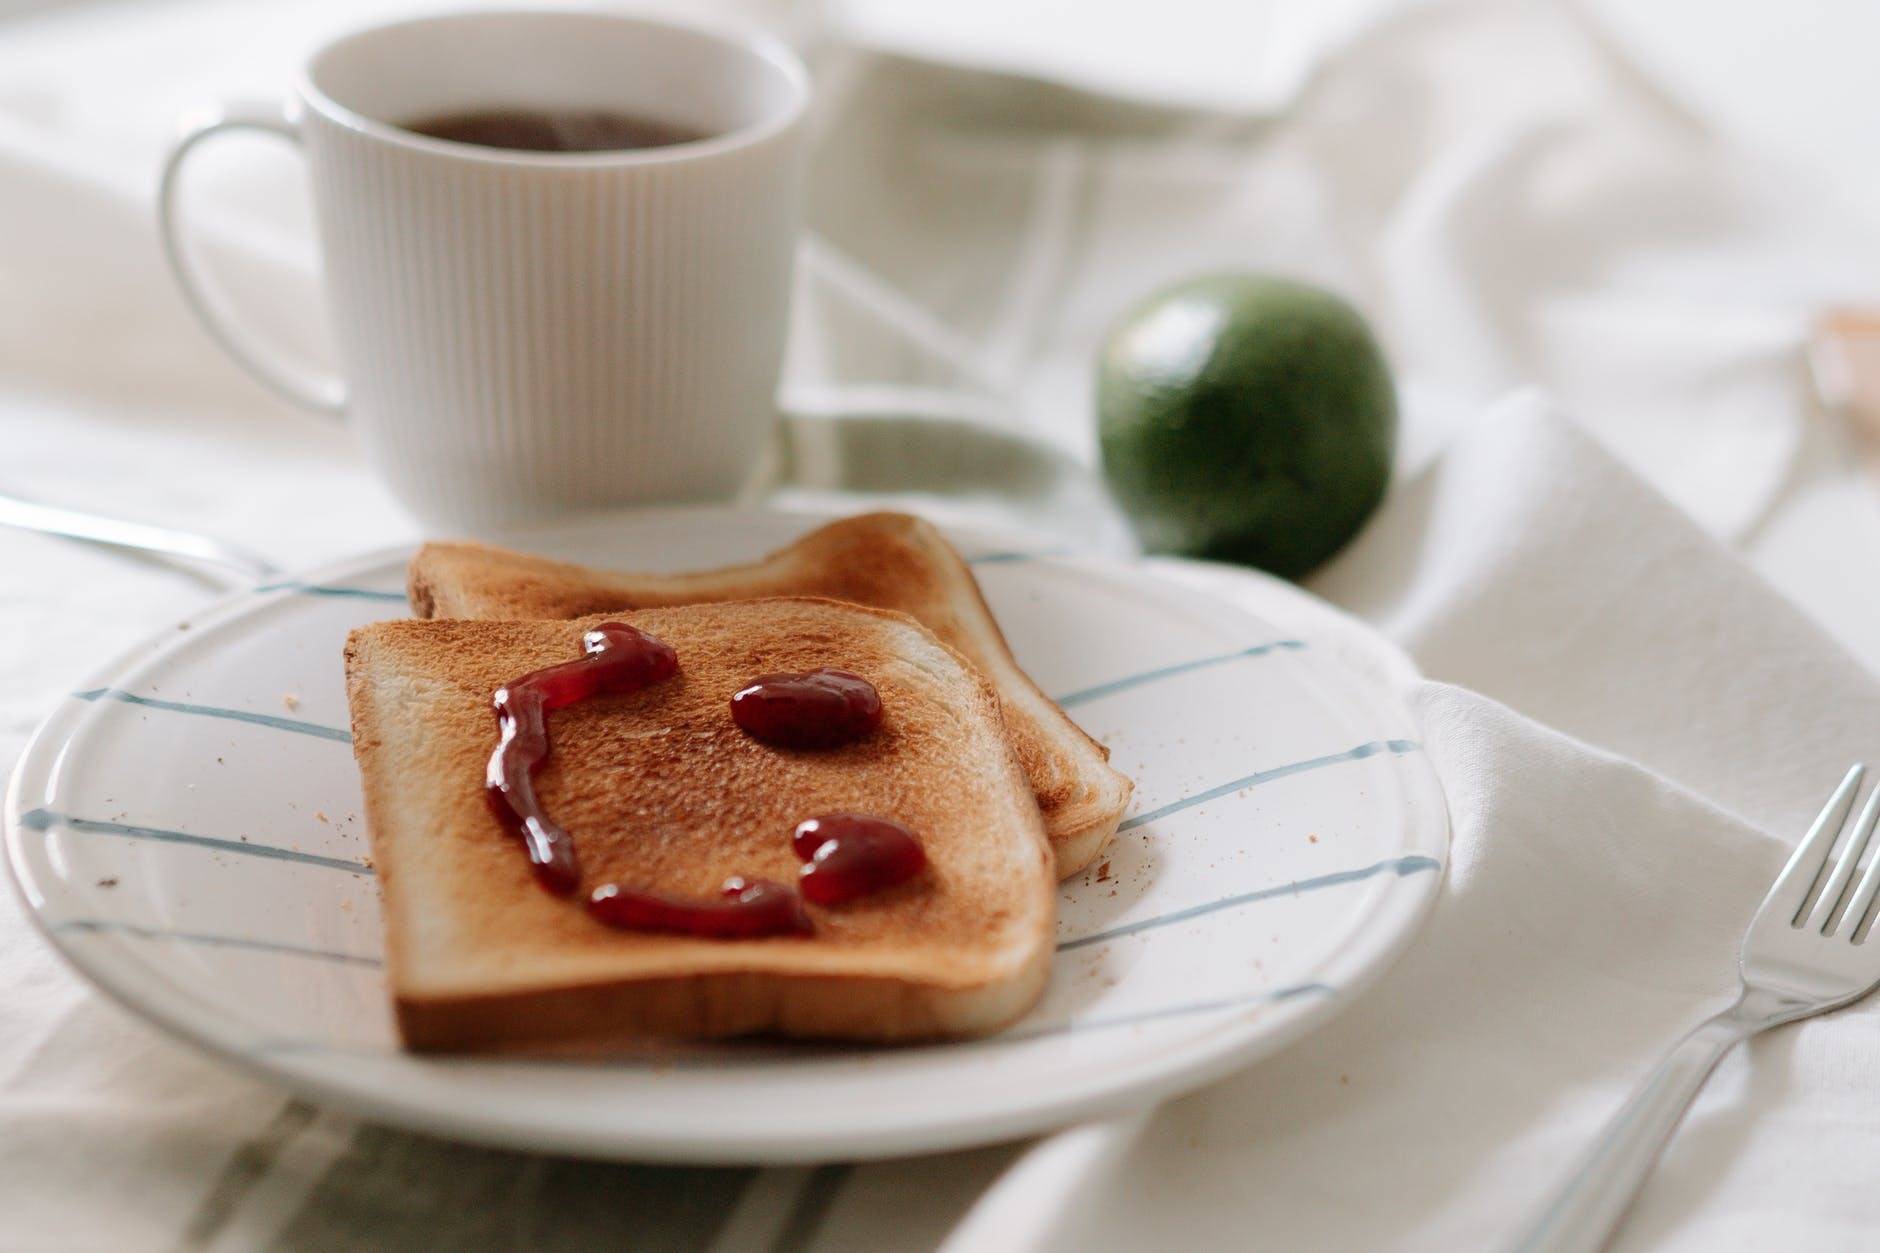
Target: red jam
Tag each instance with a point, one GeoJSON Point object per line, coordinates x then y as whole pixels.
{"type": "Point", "coordinates": [619, 659]}
{"type": "Point", "coordinates": [749, 909]}
{"type": "Point", "coordinates": [820, 709]}
{"type": "Point", "coordinates": [851, 855]}
{"type": "Point", "coordinates": [846, 855]}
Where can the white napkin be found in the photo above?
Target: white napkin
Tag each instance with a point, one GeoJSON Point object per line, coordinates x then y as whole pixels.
{"type": "Point", "coordinates": [1252, 56]}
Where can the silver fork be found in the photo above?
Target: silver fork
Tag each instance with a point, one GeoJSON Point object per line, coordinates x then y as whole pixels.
{"type": "Point", "coordinates": [1803, 954]}
{"type": "Point", "coordinates": [30, 515]}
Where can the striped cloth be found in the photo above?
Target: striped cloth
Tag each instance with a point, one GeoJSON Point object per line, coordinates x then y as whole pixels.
{"type": "Point", "coordinates": [1620, 704]}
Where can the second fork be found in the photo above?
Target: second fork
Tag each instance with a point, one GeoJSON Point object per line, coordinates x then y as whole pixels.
{"type": "Point", "coordinates": [1805, 953]}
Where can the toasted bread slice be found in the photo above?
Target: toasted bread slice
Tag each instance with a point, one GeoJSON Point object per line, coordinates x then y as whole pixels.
{"type": "Point", "coordinates": [884, 560]}
{"type": "Point", "coordinates": [662, 791]}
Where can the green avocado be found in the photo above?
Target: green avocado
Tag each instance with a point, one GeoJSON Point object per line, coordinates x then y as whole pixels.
{"type": "Point", "coordinates": [1246, 418]}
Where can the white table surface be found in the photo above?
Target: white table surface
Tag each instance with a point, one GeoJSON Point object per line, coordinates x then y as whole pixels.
{"type": "Point", "coordinates": [1515, 195]}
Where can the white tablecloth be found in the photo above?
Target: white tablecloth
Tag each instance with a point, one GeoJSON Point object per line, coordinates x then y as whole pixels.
{"type": "Point", "coordinates": [1629, 720]}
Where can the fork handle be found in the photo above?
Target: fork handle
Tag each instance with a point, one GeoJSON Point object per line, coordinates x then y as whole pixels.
{"type": "Point", "coordinates": [1583, 1214]}
{"type": "Point", "coordinates": [30, 515]}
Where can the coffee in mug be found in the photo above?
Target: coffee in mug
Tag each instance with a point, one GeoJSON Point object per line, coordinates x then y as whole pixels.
{"type": "Point", "coordinates": [555, 130]}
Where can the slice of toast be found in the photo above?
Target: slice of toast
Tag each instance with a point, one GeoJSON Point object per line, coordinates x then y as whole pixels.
{"type": "Point", "coordinates": [661, 790]}
{"type": "Point", "coordinates": [884, 560]}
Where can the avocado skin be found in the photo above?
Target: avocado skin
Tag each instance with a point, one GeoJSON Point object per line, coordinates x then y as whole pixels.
{"type": "Point", "coordinates": [1248, 419]}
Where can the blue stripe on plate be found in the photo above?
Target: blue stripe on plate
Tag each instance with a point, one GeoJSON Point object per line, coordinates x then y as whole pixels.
{"type": "Point", "coordinates": [1258, 777]}
{"type": "Point", "coordinates": [99, 926]}
{"type": "Point", "coordinates": [46, 819]}
{"type": "Point", "coordinates": [328, 589]}
{"type": "Point", "coordinates": [1150, 676]}
{"type": "Point", "coordinates": [315, 729]}
{"type": "Point", "coordinates": [1416, 863]}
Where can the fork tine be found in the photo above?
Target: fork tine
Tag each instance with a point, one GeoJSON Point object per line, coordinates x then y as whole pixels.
{"type": "Point", "coordinates": [1863, 898]}
{"type": "Point", "coordinates": [1844, 866]}
{"type": "Point", "coordinates": [1798, 877]}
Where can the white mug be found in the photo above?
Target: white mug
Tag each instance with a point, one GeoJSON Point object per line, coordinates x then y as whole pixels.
{"type": "Point", "coordinates": [524, 333]}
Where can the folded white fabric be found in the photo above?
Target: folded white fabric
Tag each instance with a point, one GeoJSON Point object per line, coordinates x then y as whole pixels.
{"type": "Point", "coordinates": [1531, 567]}
{"type": "Point", "coordinates": [1252, 56]}
{"type": "Point", "coordinates": [1593, 908]}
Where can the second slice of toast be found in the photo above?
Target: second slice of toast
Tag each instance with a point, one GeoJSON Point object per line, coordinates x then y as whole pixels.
{"type": "Point", "coordinates": [661, 791]}
{"type": "Point", "coordinates": [885, 560]}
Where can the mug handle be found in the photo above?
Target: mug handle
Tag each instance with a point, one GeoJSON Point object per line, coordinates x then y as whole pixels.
{"type": "Point", "coordinates": [296, 381]}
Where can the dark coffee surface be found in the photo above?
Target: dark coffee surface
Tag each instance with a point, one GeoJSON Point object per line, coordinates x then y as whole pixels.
{"type": "Point", "coordinates": [554, 130]}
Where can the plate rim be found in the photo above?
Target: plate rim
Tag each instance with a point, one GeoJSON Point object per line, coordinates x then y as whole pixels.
{"type": "Point", "coordinates": [1387, 929]}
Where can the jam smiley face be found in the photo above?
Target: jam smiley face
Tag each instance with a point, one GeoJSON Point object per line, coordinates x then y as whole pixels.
{"type": "Point", "coordinates": [617, 659]}
{"type": "Point", "coordinates": [845, 855]}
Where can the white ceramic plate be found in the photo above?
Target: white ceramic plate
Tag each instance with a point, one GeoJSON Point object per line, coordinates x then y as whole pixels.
{"type": "Point", "coordinates": [186, 829]}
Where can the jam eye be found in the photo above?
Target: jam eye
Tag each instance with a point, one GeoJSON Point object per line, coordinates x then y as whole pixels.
{"type": "Point", "coordinates": [817, 709]}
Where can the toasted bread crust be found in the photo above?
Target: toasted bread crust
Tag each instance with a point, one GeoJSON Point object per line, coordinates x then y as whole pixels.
{"type": "Point", "coordinates": [619, 1014]}
{"type": "Point", "coordinates": [884, 560]}
{"type": "Point", "coordinates": [662, 791]}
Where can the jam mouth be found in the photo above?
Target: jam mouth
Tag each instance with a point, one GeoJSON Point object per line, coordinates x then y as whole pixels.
{"type": "Point", "coordinates": [853, 855]}
{"type": "Point", "coordinates": [749, 908]}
